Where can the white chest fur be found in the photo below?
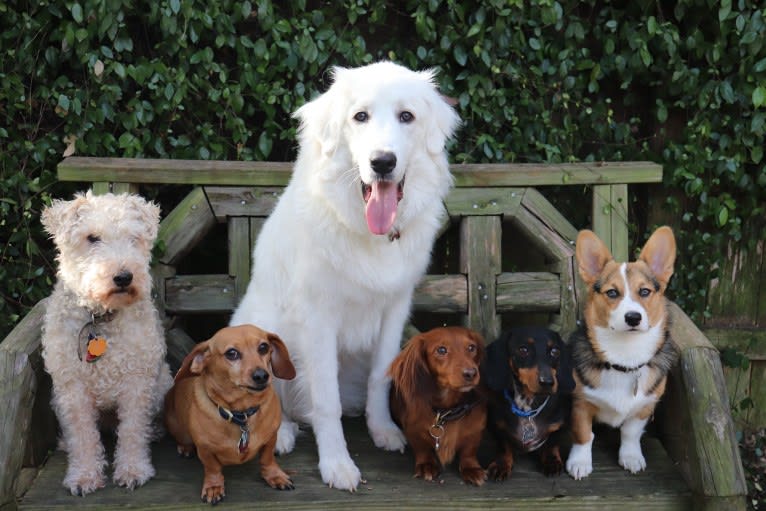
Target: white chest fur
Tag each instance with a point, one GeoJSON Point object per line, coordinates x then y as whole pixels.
{"type": "Point", "coordinates": [620, 395]}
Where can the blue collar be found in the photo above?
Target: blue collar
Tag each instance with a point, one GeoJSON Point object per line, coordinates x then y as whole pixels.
{"type": "Point", "coordinates": [521, 413]}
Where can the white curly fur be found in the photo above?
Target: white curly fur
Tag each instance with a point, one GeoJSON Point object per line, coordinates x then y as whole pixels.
{"type": "Point", "coordinates": [98, 237]}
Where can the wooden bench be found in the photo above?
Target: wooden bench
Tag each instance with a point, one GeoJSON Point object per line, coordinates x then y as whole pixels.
{"type": "Point", "coordinates": [692, 454]}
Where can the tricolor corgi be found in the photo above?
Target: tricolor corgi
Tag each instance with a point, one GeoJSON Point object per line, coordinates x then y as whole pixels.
{"type": "Point", "coordinates": [624, 352]}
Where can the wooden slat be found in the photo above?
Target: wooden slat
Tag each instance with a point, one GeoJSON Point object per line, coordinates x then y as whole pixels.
{"type": "Point", "coordinates": [160, 273]}
{"type": "Point", "coordinates": [19, 357]}
{"type": "Point", "coordinates": [480, 260]}
{"type": "Point", "coordinates": [610, 218]}
{"type": "Point", "coordinates": [749, 341]}
{"type": "Point", "coordinates": [185, 226]}
{"type": "Point", "coordinates": [388, 483]}
{"type": "Point", "coordinates": [483, 201]}
{"type": "Point", "coordinates": [179, 345]}
{"type": "Point", "coordinates": [239, 253]}
{"type": "Point", "coordinates": [238, 201]}
{"type": "Point", "coordinates": [533, 292]}
{"type": "Point", "coordinates": [441, 293]}
{"type": "Point", "coordinates": [200, 294]}
{"type": "Point", "coordinates": [102, 187]}
{"type": "Point", "coordinates": [541, 236]}
{"type": "Point", "coordinates": [697, 426]}
{"type": "Point", "coordinates": [570, 292]}
{"type": "Point", "coordinates": [757, 414]}
{"type": "Point", "coordinates": [207, 172]}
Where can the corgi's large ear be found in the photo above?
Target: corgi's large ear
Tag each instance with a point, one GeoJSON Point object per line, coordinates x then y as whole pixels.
{"type": "Point", "coordinates": [322, 118]}
{"type": "Point", "coordinates": [592, 255]}
{"type": "Point", "coordinates": [194, 362]}
{"type": "Point", "coordinates": [496, 367]}
{"type": "Point", "coordinates": [280, 358]}
{"type": "Point", "coordinates": [659, 253]}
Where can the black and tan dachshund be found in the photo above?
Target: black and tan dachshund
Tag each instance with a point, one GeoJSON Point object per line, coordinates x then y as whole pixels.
{"type": "Point", "coordinates": [528, 372]}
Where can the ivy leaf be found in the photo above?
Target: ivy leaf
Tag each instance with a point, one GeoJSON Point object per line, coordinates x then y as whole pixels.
{"type": "Point", "coordinates": [723, 216]}
{"type": "Point", "coordinates": [77, 13]}
{"type": "Point", "coordinates": [759, 96]}
{"type": "Point", "coordinates": [725, 9]}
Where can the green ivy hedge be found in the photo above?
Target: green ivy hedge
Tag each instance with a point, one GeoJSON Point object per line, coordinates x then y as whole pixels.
{"type": "Point", "coordinates": [682, 83]}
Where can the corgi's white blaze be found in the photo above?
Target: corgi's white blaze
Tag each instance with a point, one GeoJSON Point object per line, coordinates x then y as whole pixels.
{"type": "Point", "coordinates": [627, 304]}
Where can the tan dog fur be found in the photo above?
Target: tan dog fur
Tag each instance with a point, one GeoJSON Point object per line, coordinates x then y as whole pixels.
{"type": "Point", "coordinates": [209, 377]}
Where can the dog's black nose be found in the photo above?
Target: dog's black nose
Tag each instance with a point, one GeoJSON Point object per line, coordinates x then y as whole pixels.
{"type": "Point", "coordinates": [123, 279]}
{"type": "Point", "coordinates": [260, 376]}
{"type": "Point", "coordinates": [545, 380]}
{"type": "Point", "coordinates": [383, 162]}
{"type": "Point", "coordinates": [469, 374]}
{"type": "Point", "coordinates": [632, 318]}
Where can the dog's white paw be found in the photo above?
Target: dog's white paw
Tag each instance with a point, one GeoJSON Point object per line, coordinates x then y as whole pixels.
{"type": "Point", "coordinates": [288, 430]}
{"type": "Point", "coordinates": [388, 437]}
{"type": "Point", "coordinates": [631, 459]}
{"type": "Point", "coordinates": [580, 461]}
{"type": "Point", "coordinates": [338, 471]}
{"type": "Point", "coordinates": [82, 482]}
{"type": "Point", "coordinates": [132, 475]}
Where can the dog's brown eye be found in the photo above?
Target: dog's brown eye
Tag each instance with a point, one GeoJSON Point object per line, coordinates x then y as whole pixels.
{"type": "Point", "coordinates": [441, 350]}
{"type": "Point", "coordinates": [612, 293]}
{"type": "Point", "coordinates": [523, 351]}
{"type": "Point", "coordinates": [361, 117]}
{"type": "Point", "coordinates": [232, 354]}
{"type": "Point", "coordinates": [406, 117]}
{"type": "Point", "coordinates": [471, 348]}
{"type": "Point", "coordinates": [644, 292]}
{"type": "Point", "coordinates": [92, 238]}
{"type": "Point", "coordinates": [263, 348]}
{"type": "Point", "coordinates": [555, 352]}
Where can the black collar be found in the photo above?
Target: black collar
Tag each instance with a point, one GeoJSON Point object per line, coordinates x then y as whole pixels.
{"type": "Point", "coordinates": [621, 368]}
{"type": "Point", "coordinates": [237, 417]}
{"type": "Point", "coordinates": [444, 415]}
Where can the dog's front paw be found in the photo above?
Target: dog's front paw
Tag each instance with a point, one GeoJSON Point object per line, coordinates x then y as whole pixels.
{"type": "Point", "coordinates": [580, 462]}
{"type": "Point", "coordinates": [632, 459]}
{"type": "Point", "coordinates": [388, 437]}
{"type": "Point", "coordinates": [213, 494]}
{"type": "Point", "coordinates": [552, 464]}
{"type": "Point", "coordinates": [132, 475]}
{"type": "Point", "coordinates": [499, 470]}
{"type": "Point", "coordinates": [473, 475]}
{"type": "Point", "coordinates": [80, 483]}
{"type": "Point", "coordinates": [340, 472]}
{"type": "Point", "coordinates": [278, 479]}
{"type": "Point", "coordinates": [428, 471]}
{"type": "Point", "coordinates": [286, 436]}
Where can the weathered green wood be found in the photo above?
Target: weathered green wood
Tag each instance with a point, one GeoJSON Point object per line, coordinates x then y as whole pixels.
{"type": "Point", "coordinates": [441, 293]}
{"type": "Point", "coordinates": [480, 260]}
{"type": "Point", "coordinates": [144, 170]}
{"type": "Point", "coordinates": [160, 274]}
{"type": "Point", "coordinates": [101, 187]}
{"type": "Point", "coordinates": [570, 294]}
{"type": "Point", "coordinates": [484, 201]}
{"type": "Point", "coordinates": [737, 388]}
{"type": "Point", "coordinates": [239, 253]}
{"type": "Point", "coordinates": [757, 415]}
{"type": "Point", "coordinates": [185, 226]}
{"type": "Point", "coordinates": [734, 295]}
{"type": "Point", "coordinates": [697, 427]}
{"type": "Point", "coordinates": [388, 483]}
{"type": "Point", "coordinates": [195, 294]}
{"type": "Point", "coordinates": [20, 359]}
{"type": "Point", "coordinates": [533, 292]}
{"type": "Point", "coordinates": [237, 201]}
{"type": "Point", "coordinates": [544, 227]}
{"type": "Point", "coordinates": [610, 218]}
{"type": "Point", "coordinates": [751, 342]}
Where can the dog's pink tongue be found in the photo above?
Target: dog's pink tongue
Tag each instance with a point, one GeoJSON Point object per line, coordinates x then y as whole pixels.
{"type": "Point", "coordinates": [381, 207]}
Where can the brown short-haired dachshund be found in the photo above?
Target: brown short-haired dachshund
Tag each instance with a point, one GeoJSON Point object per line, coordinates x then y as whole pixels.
{"type": "Point", "coordinates": [528, 371]}
{"type": "Point", "coordinates": [224, 405]}
{"type": "Point", "coordinates": [434, 400]}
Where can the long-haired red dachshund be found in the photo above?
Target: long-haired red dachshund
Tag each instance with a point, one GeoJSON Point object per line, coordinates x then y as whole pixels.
{"type": "Point", "coordinates": [434, 400]}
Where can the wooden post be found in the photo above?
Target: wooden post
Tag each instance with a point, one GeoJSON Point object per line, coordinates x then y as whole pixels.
{"type": "Point", "coordinates": [480, 260]}
{"type": "Point", "coordinates": [610, 218]}
{"type": "Point", "coordinates": [240, 248]}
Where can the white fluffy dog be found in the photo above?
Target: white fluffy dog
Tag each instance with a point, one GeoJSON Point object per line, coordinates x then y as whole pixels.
{"type": "Point", "coordinates": [102, 340]}
{"type": "Point", "coordinates": [337, 261]}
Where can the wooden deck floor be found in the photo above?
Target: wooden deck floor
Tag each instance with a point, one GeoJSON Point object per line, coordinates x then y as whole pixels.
{"type": "Point", "coordinates": [389, 484]}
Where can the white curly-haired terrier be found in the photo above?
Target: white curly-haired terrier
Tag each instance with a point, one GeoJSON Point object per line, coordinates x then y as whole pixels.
{"type": "Point", "coordinates": [103, 344]}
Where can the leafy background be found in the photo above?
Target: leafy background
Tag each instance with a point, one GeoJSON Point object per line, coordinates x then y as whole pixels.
{"type": "Point", "coordinates": [681, 83]}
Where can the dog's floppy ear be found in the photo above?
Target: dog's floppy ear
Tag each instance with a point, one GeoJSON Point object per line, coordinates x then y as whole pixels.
{"type": "Point", "coordinates": [194, 362]}
{"type": "Point", "coordinates": [321, 118]}
{"type": "Point", "coordinates": [409, 368]}
{"type": "Point", "coordinates": [61, 214]}
{"type": "Point", "coordinates": [564, 372]}
{"type": "Point", "coordinates": [148, 213]}
{"type": "Point", "coordinates": [280, 359]}
{"type": "Point", "coordinates": [592, 255]}
{"type": "Point", "coordinates": [442, 118]}
{"type": "Point", "coordinates": [495, 368]}
{"type": "Point", "coordinates": [659, 253]}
